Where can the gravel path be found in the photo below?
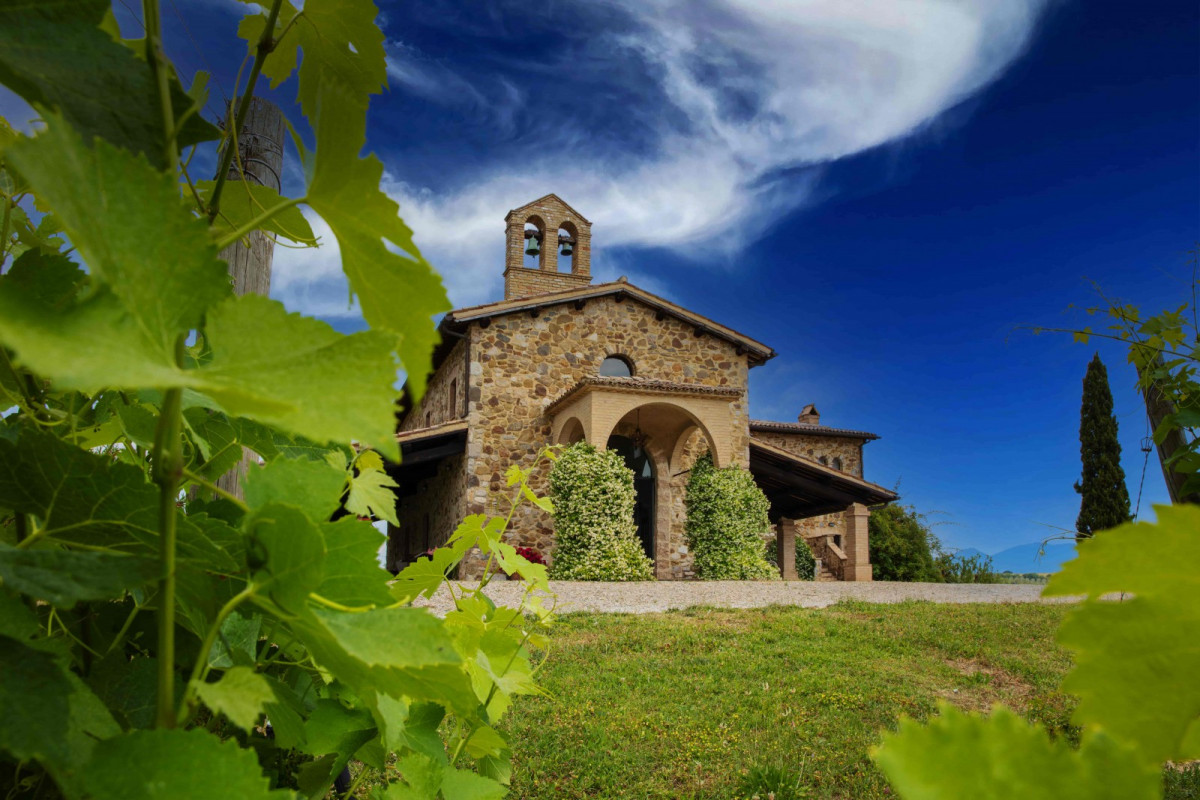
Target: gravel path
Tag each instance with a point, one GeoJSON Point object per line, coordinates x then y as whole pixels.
{"type": "Point", "coordinates": [652, 596]}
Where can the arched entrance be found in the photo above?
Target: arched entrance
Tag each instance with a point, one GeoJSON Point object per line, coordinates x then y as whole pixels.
{"type": "Point", "coordinates": [638, 460]}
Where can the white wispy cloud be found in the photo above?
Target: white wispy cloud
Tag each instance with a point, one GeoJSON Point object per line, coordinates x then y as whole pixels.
{"type": "Point", "coordinates": [753, 98]}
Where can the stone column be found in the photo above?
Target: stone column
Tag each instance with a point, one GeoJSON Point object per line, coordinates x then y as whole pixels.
{"type": "Point", "coordinates": [858, 560]}
{"type": "Point", "coordinates": [785, 544]}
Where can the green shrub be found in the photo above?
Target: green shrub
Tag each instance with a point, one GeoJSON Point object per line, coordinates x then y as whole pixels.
{"type": "Point", "coordinates": [806, 565]}
{"type": "Point", "coordinates": [903, 548]}
{"type": "Point", "coordinates": [726, 520]}
{"type": "Point", "coordinates": [595, 533]}
{"type": "Point", "coordinates": [966, 569]}
{"type": "Point", "coordinates": [902, 545]}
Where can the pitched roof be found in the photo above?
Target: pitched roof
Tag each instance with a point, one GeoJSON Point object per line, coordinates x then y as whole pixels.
{"type": "Point", "coordinates": [810, 430]}
{"type": "Point", "coordinates": [551, 196]}
{"type": "Point", "coordinates": [799, 487]}
{"type": "Point", "coordinates": [758, 351]}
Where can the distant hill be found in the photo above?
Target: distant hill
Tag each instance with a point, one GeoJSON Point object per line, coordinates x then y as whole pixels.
{"type": "Point", "coordinates": [1024, 557]}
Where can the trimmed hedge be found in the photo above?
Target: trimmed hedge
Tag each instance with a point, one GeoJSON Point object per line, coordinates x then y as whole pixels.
{"type": "Point", "coordinates": [596, 537]}
{"type": "Point", "coordinates": [726, 522]}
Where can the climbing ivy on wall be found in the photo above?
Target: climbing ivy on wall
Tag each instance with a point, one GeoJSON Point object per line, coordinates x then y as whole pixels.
{"type": "Point", "coordinates": [594, 530]}
{"type": "Point", "coordinates": [145, 638]}
{"type": "Point", "coordinates": [726, 522]}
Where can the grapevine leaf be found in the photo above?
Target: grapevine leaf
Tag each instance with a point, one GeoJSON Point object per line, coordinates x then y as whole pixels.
{"type": "Point", "coordinates": [340, 732]}
{"type": "Point", "coordinates": [52, 280]}
{"type": "Point", "coordinates": [342, 47]}
{"type": "Point", "coordinates": [1136, 661]}
{"type": "Point", "coordinates": [1002, 757]}
{"type": "Point", "coordinates": [397, 651]}
{"type": "Point", "coordinates": [277, 368]}
{"type": "Point", "coordinates": [353, 576]}
{"type": "Point", "coordinates": [299, 374]}
{"type": "Point", "coordinates": [241, 695]}
{"type": "Point", "coordinates": [422, 778]}
{"type": "Point", "coordinates": [333, 728]}
{"type": "Point", "coordinates": [139, 422]}
{"type": "Point", "coordinates": [65, 577]}
{"type": "Point", "coordinates": [182, 765]}
{"type": "Point", "coordinates": [345, 192]}
{"type": "Point", "coordinates": [286, 715]}
{"type": "Point", "coordinates": [245, 201]}
{"type": "Point", "coordinates": [131, 229]}
{"type": "Point", "coordinates": [34, 703]}
{"type": "Point", "coordinates": [84, 498]}
{"type": "Point", "coordinates": [126, 687]}
{"type": "Point", "coordinates": [459, 784]}
{"type": "Point", "coordinates": [425, 575]}
{"type": "Point", "coordinates": [16, 620]}
{"type": "Point", "coordinates": [288, 553]}
{"type": "Point", "coordinates": [314, 487]}
{"type": "Point", "coordinates": [236, 641]}
{"type": "Point", "coordinates": [53, 53]}
{"type": "Point", "coordinates": [414, 727]}
{"type": "Point", "coordinates": [371, 495]}
{"type": "Point", "coordinates": [485, 741]}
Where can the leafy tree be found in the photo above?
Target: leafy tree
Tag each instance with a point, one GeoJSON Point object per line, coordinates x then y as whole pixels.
{"type": "Point", "coordinates": [904, 548]}
{"type": "Point", "coordinates": [726, 523]}
{"type": "Point", "coordinates": [595, 533]}
{"type": "Point", "coordinates": [143, 639]}
{"type": "Point", "coordinates": [901, 545]}
{"type": "Point", "coordinates": [1105, 502]}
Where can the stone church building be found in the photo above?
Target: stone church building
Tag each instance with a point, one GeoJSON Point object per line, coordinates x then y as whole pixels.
{"type": "Point", "coordinates": [560, 360]}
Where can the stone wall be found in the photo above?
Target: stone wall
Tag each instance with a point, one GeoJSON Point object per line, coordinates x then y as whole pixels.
{"type": "Point", "coordinates": [521, 363]}
{"type": "Point", "coordinates": [442, 498]}
{"type": "Point", "coordinates": [439, 405]}
{"type": "Point", "coordinates": [846, 448]}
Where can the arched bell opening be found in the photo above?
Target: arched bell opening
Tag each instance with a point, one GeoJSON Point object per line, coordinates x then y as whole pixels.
{"type": "Point", "coordinates": [567, 240]}
{"type": "Point", "coordinates": [535, 240]}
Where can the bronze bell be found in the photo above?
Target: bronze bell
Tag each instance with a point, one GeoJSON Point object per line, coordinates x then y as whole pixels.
{"type": "Point", "coordinates": [565, 246]}
{"type": "Point", "coordinates": [533, 245]}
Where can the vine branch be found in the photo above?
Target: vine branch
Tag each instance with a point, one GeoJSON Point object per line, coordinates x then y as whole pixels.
{"type": "Point", "coordinates": [266, 45]}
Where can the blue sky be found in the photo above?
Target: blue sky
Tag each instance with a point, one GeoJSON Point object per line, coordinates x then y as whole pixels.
{"type": "Point", "coordinates": [886, 191]}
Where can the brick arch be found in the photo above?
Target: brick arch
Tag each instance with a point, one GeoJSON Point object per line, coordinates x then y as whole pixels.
{"type": "Point", "coordinates": [688, 420]}
{"type": "Point", "coordinates": [570, 431]}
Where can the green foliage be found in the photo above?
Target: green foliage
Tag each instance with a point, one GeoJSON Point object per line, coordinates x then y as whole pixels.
{"type": "Point", "coordinates": [772, 782]}
{"type": "Point", "coordinates": [902, 545]}
{"type": "Point", "coordinates": [954, 568]}
{"type": "Point", "coordinates": [726, 524]}
{"type": "Point", "coordinates": [905, 548]}
{"type": "Point", "coordinates": [1105, 499]}
{"type": "Point", "coordinates": [144, 636]}
{"type": "Point", "coordinates": [1002, 756]}
{"type": "Point", "coordinates": [595, 534]}
{"type": "Point", "coordinates": [806, 563]}
{"type": "Point", "coordinates": [1134, 674]}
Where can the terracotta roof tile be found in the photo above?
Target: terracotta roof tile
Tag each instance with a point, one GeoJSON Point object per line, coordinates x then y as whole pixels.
{"type": "Point", "coordinates": [810, 430]}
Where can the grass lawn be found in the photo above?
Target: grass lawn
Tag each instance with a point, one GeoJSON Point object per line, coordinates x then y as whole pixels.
{"type": "Point", "coordinates": [685, 704]}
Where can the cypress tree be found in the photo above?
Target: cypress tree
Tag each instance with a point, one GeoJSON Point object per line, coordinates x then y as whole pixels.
{"type": "Point", "coordinates": [1105, 502]}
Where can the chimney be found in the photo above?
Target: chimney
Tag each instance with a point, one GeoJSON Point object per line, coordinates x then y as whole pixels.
{"type": "Point", "coordinates": [809, 415]}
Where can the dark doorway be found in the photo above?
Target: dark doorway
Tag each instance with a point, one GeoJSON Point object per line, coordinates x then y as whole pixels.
{"type": "Point", "coordinates": [638, 460]}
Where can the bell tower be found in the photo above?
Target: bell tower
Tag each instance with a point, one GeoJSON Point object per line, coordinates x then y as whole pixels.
{"type": "Point", "coordinates": [549, 249]}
